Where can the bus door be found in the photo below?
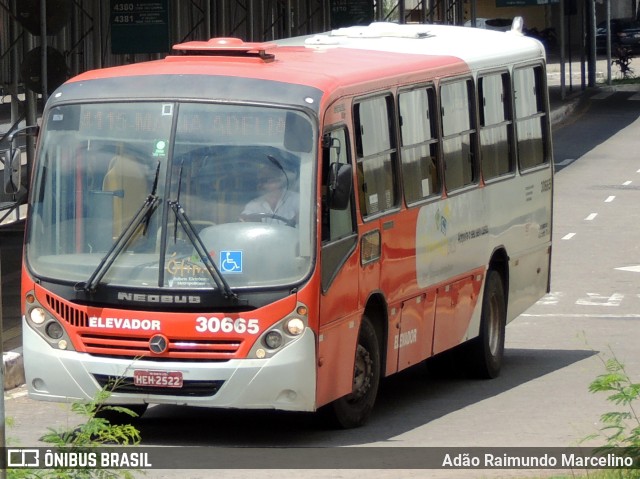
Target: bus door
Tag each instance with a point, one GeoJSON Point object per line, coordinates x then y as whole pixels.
{"type": "Point", "coordinates": [339, 310]}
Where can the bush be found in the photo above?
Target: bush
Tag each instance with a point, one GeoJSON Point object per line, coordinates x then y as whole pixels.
{"type": "Point", "coordinates": [96, 431]}
{"type": "Point", "coordinates": [623, 59]}
{"type": "Point", "coordinates": [620, 429]}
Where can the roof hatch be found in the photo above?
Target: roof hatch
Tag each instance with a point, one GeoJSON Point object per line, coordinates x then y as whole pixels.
{"type": "Point", "coordinates": [383, 29]}
{"type": "Point", "coordinates": [230, 47]}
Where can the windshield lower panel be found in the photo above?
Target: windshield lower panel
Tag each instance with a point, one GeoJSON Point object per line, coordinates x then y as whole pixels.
{"type": "Point", "coordinates": [230, 188]}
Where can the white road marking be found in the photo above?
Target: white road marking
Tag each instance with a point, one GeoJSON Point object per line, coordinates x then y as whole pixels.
{"type": "Point", "coordinates": [627, 183]}
{"type": "Point", "coordinates": [591, 217]}
{"type": "Point", "coordinates": [551, 298]}
{"type": "Point", "coordinates": [610, 199]}
{"type": "Point", "coordinates": [568, 236]}
{"type": "Point", "coordinates": [633, 269]}
{"type": "Point", "coordinates": [635, 97]}
{"type": "Point", "coordinates": [595, 299]}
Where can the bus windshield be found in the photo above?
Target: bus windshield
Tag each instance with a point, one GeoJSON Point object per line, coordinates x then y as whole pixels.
{"type": "Point", "coordinates": [234, 179]}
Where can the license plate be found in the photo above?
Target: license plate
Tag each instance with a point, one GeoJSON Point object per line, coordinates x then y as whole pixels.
{"type": "Point", "coordinates": [158, 379]}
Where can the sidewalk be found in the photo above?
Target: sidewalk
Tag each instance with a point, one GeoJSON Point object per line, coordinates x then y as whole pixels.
{"type": "Point", "coordinates": [561, 107]}
{"type": "Point", "coordinates": [562, 104]}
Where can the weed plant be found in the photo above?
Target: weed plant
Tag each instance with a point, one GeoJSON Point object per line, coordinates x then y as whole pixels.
{"type": "Point", "coordinates": [95, 431]}
{"type": "Point", "coordinates": [620, 428]}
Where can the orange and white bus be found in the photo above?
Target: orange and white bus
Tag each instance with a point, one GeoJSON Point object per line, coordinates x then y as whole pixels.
{"type": "Point", "coordinates": [280, 226]}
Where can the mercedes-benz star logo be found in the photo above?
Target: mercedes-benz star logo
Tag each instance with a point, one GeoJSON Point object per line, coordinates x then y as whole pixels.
{"type": "Point", "coordinates": [158, 344]}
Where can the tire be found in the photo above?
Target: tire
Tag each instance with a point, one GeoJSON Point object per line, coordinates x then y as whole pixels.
{"type": "Point", "coordinates": [354, 409]}
{"type": "Point", "coordinates": [487, 350]}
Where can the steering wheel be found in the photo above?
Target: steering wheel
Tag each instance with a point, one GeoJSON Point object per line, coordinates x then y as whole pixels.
{"type": "Point", "coordinates": [257, 217]}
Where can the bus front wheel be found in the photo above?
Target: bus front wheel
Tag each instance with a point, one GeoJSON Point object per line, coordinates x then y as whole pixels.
{"type": "Point", "coordinates": [354, 409]}
{"type": "Point", "coordinates": [487, 350]}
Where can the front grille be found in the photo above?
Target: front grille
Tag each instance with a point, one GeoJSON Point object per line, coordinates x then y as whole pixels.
{"type": "Point", "coordinates": [108, 345]}
{"type": "Point", "coordinates": [67, 312]}
{"type": "Point", "coordinates": [190, 388]}
{"type": "Point", "coordinates": [179, 349]}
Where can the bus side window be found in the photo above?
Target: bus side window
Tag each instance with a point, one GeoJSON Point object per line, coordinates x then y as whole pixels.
{"type": "Point", "coordinates": [458, 133]}
{"type": "Point", "coordinates": [419, 144]}
{"type": "Point", "coordinates": [496, 137]}
{"type": "Point", "coordinates": [531, 119]}
{"type": "Point", "coordinates": [376, 149]}
{"type": "Point", "coordinates": [336, 223]}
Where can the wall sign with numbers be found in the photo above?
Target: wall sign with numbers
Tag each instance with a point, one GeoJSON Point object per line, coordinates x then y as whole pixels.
{"type": "Point", "coordinates": [139, 26]}
{"type": "Point", "coordinates": [345, 13]}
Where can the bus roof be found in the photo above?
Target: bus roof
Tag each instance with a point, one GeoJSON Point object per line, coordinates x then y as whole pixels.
{"type": "Point", "coordinates": [479, 48]}
{"type": "Point", "coordinates": [323, 63]}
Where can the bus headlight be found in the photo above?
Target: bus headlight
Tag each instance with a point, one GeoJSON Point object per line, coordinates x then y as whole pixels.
{"type": "Point", "coordinates": [37, 315]}
{"type": "Point", "coordinates": [279, 335]}
{"type": "Point", "coordinates": [295, 326]}
{"type": "Point", "coordinates": [273, 339]}
{"type": "Point", "coordinates": [54, 330]}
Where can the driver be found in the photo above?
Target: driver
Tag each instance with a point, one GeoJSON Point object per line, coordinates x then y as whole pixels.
{"type": "Point", "coordinates": [276, 205]}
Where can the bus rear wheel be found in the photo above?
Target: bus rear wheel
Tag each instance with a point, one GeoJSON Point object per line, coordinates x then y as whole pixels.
{"type": "Point", "coordinates": [354, 409]}
{"type": "Point", "coordinates": [487, 350]}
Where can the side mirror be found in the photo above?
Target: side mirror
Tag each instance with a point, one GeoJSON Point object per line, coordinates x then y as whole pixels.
{"type": "Point", "coordinates": [12, 170]}
{"type": "Point", "coordinates": [329, 142]}
{"type": "Point", "coordinates": [11, 160]}
{"type": "Point", "coordinates": [340, 185]}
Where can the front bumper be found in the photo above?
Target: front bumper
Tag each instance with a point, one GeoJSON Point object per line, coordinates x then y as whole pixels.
{"type": "Point", "coordinates": [286, 381]}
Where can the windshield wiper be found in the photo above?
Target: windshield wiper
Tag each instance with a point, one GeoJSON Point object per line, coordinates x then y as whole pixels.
{"type": "Point", "coordinates": [149, 213]}
{"type": "Point", "coordinates": [143, 215]}
{"type": "Point", "coordinates": [201, 249]}
{"type": "Point", "coordinates": [196, 241]}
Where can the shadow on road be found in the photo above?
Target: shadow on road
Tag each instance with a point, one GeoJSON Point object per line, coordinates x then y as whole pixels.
{"type": "Point", "coordinates": [599, 121]}
{"type": "Point", "coordinates": [406, 401]}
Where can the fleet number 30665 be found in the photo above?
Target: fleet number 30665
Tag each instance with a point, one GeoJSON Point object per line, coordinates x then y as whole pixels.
{"type": "Point", "coordinates": [227, 325]}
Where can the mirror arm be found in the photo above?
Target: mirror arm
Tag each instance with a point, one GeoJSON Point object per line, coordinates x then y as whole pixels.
{"type": "Point", "coordinates": [27, 130]}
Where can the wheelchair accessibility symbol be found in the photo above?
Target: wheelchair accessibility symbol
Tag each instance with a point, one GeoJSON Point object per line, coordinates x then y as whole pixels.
{"type": "Point", "coordinates": [231, 261]}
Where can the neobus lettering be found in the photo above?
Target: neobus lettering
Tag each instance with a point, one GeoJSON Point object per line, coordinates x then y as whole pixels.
{"type": "Point", "coordinates": [158, 298]}
{"type": "Point", "coordinates": [124, 323]}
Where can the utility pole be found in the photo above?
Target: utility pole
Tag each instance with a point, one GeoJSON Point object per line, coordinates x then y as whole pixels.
{"type": "Point", "coordinates": [3, 441]}
{"type": "Point", "coordinates": [592, 43]}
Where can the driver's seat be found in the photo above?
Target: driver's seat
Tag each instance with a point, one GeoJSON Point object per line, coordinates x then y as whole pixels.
{"type": "Point", "coordinates": [127, 182]}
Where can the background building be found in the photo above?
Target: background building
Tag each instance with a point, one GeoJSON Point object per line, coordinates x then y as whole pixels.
{"type": "Point", "coordinates": [66, 37]}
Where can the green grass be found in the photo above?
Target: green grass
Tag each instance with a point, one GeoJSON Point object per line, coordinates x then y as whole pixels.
{"type": "Point", "coordinates": [626, 81]}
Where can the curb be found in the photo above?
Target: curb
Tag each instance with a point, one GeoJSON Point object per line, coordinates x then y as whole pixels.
{"type": "Point", "coordinates": [559, 114]}
{"type": "Point", "coordinates": [629, 87]}
{"type": "Point", "coordinates": [13, 363]}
